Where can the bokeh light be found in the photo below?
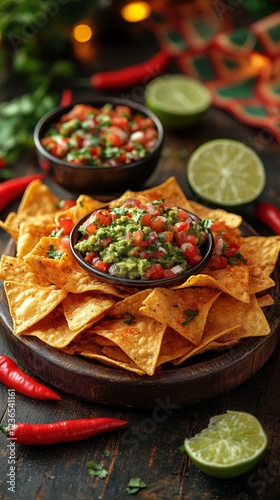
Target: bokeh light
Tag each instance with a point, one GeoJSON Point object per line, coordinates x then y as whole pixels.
{"type": "Point", "coordinates": [134, 12]}
{"type": "Point", "coordinates": [82, 33]}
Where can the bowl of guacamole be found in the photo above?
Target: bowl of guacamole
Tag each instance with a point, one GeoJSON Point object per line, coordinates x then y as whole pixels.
{"type": "Point", "coordinates": [142, 244]}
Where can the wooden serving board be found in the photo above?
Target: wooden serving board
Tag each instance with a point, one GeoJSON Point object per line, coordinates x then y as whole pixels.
{"type": "Point", "coordinates": [202, 377]}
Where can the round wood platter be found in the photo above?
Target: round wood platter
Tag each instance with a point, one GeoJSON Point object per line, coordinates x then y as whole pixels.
{"type": "Point", "coordinates": [203, 377]}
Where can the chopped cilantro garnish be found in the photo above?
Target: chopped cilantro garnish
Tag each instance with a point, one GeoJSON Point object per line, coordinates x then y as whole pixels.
{"type": "Point", "coordinates": [96, 470]}
{"type": "Point", "coordinates": [190, 313]}
{"type": "Point", "coordinates": [54, 254]}
{"type": "Point", "coordinates": [130, 318]}
{"type": "Point", "coordinates": [134, 485]}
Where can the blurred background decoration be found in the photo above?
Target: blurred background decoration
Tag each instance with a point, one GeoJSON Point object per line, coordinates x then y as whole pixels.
{"type": "Point", "coordinates": [50, 43]}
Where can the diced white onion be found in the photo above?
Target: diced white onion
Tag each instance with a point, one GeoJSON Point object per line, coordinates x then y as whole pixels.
{"type": "Point", "coordinates": [219, 246]}
{"type": "Point", "coordinates": [185, 246]}
{"type": "Point", "coordinates": [177, 269]}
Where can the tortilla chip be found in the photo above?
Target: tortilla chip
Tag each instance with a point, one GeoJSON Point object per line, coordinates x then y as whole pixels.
{"type": "Point", "coordinates": [169, 308]}
{"type": "Point", "coordinates": [231, 220]}
{"type": "Point", "coordinates": [29, 303]}
{"type": "Point", "coordinates": [261, 251]}
{"type": "Point", "coordinates": [14, 269]}
{"type": "Point", "coordinates": [30, 234]}
{"type": "Point", "coordinates": [65, 272]}
{"type": "Point", "coordinates": [265, 300]}
{"type": "Point", "coordinates": [233, 280]}
{"type": "Point", "coordinates": [173, 346]}
{"type": "Point", "coordinates": [37, 200]}
{"type": "Point", "coordinates": [10, 225]}
{"type": "Point", "coordinates": [140, 340]}
{"type": "Point", "coordinates": [129, 305]}
{"type": "Point", "coordinates": [52, 330]}
{"type": "Point", "coordinates": [88, 348]}
{"type": "Point", "coordinates": [168, 190]}
{"type": "Point", "coordinates": [81, 310]}
{"type": "Point", "coordinates": [259, 280]}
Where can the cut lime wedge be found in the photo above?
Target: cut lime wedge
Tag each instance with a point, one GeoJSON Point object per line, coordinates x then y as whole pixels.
{"type": "Point", "coordinates": [226, 172]}
{"type": "Point", "coordinates": [177, 100]}
{"type": "Point", "coordinates": [231, 445]}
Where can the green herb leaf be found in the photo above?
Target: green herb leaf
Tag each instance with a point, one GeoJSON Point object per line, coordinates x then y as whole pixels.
{"type": "Point", "coordinates": [96, 470]}
{"type": "Point", "coordinates": [182, 448]}
{"type": "Point", "coordinates": [134, 485]}
{"type": "Point", "coordinates": [190, 313]}
{"type": "Point", "coordinates": [107, 453]}
{"type": "Point", "coordinates": [54, 254]}
{"type": "Point", "coordinates": [130, 318]}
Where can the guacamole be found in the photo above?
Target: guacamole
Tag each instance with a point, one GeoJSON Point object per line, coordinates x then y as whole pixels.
{"type": "Point", "coordinates": [142, 241]}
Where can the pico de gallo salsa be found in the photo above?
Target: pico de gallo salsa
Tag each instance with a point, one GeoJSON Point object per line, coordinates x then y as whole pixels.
{"type": "Point", "coordinates": [107, 136]}
{"type": "Point", "coordinates": [142, 241]}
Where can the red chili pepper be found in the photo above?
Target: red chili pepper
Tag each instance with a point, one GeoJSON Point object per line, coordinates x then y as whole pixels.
{"type": "Point", "coordinates": [66, 97]}
{"type": "Point", "coordinates": [269, 215]}
{"type": "Point", "coordinates": [60, 432]}
{"type": "Point", "coordinates": [131, 75]}
{"type": "Point", "coordinates": [10, 190]}
{"type": "Point", "coordinates": [14, 378]}
{"type": "Point", "coordinates": [3, 163]}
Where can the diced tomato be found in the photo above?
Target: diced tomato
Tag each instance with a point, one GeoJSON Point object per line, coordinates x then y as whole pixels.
{"type": "Point", "coordinates": [122, 110]}
{"type": "Point", "coordinates": [183, 237]}
{"type": "Point", "coordinates": [106, 241]}
{"type": "Point", "coordinates": [218, 262]}
{"type": "Point", "coordinates": [154, 272]}
{"type": "Point", "coordinates": [168, 273]}
{"type": "Point", "coordinates": [157, 225]}
{"type": "Point", "coordinates": [66, 224]}
{"type": "Point", "coordinates": [192, 255]}
{"type": "Point", "coordinates": [121, 122]}
{"type": "Point", "coordinates": [138, 237]}
{"type": "Point", "coordinates": [113, 139]}
{"type": "Point", "coordinates": [181, 226]}
{"type": "Point", "coordinates": [90, 256]}
{"type": "Point", "coordinates": [218, 226]}
{"type": "Point", "coordinates": [231, 249]}
{"type": "Point", "coordinates": [91, 228]}
{"type": "Point", "coordinates": [144, 255]}
{"type": "Point", "coordinates": [182, 214]}
{"type": "Point", "coordinates": [103, 217]}
{"type": "Point", "coordinates": [101, 266]}
{"type": "Point", "coordinates": [168, 235]}
{"type": "Point", "coordinates": [146, 219]}
{"type": "Point", "coordinates": [65, 204]}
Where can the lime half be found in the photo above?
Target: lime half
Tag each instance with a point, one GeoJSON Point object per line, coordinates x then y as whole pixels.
{"type": "Point", "coordinates": [226, 173]}
{"type": "Point", "coordinates": [177, 100]}
{"type": "Point", "coordinates": [231, 445]}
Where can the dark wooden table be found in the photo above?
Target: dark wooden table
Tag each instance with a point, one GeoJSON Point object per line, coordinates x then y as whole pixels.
{"type": "Point", "coordinates": [149, 447]}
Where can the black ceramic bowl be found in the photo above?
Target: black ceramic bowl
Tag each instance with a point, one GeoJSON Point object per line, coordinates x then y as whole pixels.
{"type": "Point", "coordinates": [206, 250]}
{"type": "Point", "coordinates": [97, 179]}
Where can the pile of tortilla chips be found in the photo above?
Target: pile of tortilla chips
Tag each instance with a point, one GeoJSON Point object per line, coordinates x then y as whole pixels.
{"type": "Point", "coordinates": [59, 302]}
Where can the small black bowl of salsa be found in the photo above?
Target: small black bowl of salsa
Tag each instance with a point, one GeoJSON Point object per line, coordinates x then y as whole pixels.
{"type": "Point", "coordinates": [99, 146]}
{"type": "Point", "coordinates": [142, 245]}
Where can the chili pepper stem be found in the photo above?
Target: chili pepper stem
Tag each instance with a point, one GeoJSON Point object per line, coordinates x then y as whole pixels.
{"type": "Point", "coordinates": [5, 430]}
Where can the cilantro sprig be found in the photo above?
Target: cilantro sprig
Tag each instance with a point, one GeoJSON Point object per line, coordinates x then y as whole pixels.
{"type": "Point", "coordinates": [135, 484]}
{"type": "Point", "coordinates": [190, 313]}
{"type": "Point", "coordinates": [95, 469]}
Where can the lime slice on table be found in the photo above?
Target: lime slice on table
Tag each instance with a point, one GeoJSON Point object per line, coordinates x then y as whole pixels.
{"type": "Point", "coordinates": [177, 100]}
{"type": "Point", "coordinates": [231, 445]}
{"type": "Point", "coordinates": [226, 172]}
